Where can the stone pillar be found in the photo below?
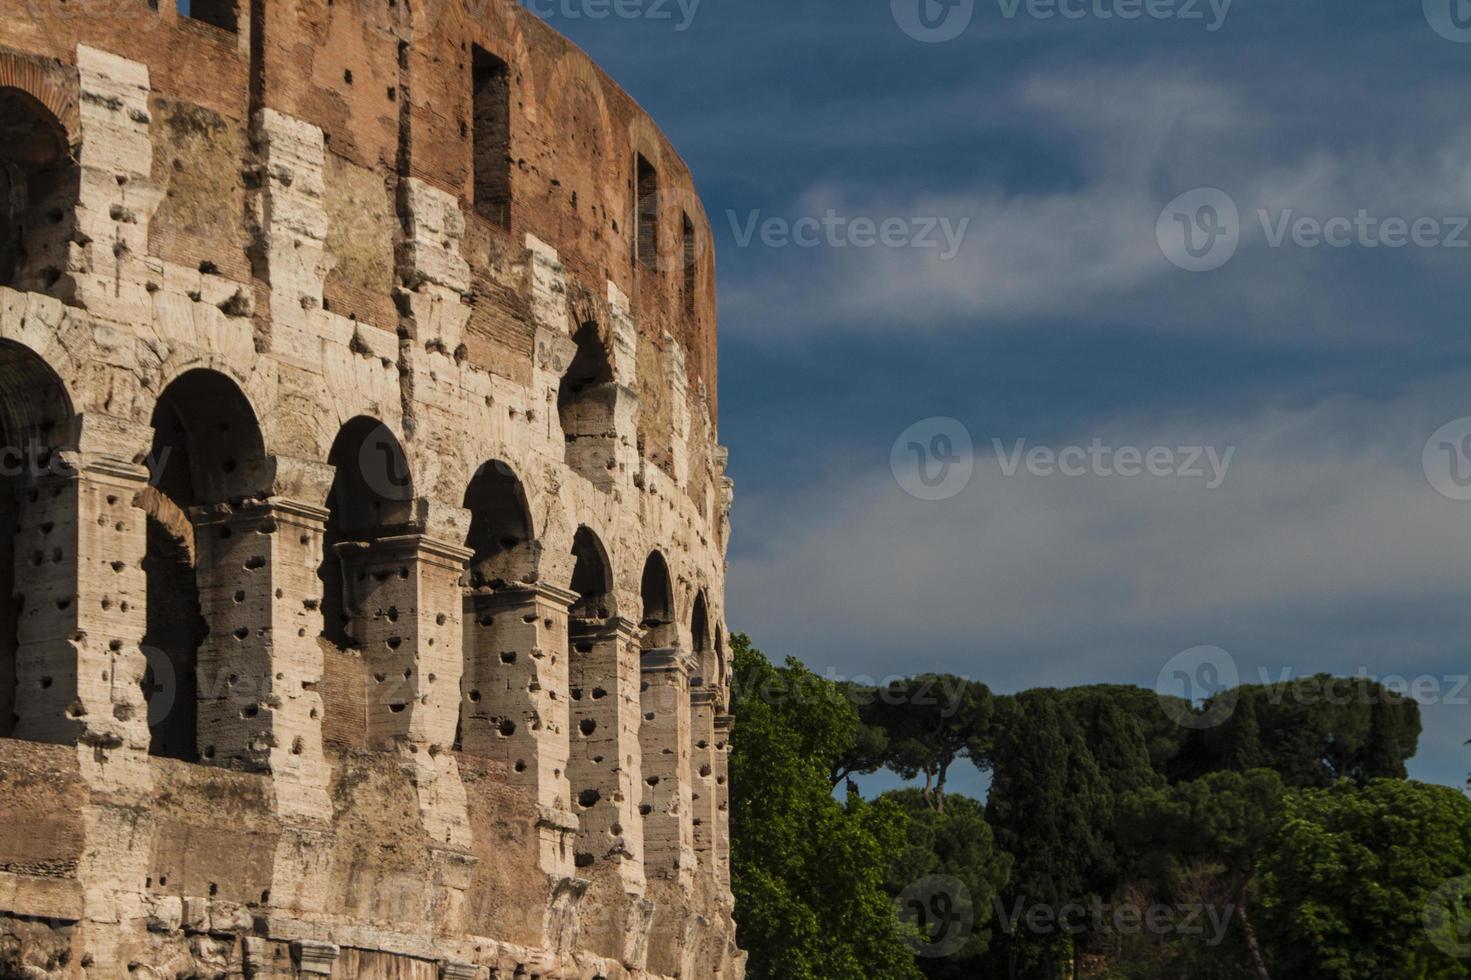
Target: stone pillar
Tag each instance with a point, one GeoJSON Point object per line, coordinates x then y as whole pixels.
{"type": "Point", "coordinates": [721, 842]}
{"type": "Point", "coordinates": [679, 411]}
{"type": "Point", "coordinates": [664, 737]}
{"type": "Point", "coordinates": [405, 601]}
{"type": "Point", "coordinates": [81, 593]}
{"type": "Point", "coordinates": [108, 253]}
{"type": "Point", "coordinates": [289, 222]}
{"type": "Point", "coordinates": [81, 597]}
{"type": "Point", "coordinates": [514, 707]}
{"type": "Point", "coordinates": [703, 797]}
{"type": "Point", "coordinates": [604, 765]}
{"type": "Point", "coordinates": [259, 668]}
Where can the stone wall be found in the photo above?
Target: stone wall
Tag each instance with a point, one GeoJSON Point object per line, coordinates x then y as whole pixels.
{"type": "Point", "coordinates": [369, 550]}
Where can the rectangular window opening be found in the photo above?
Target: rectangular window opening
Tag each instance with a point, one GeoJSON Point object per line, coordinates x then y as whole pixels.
{"type": "Point", "coordinates": [491, 125]}
{"type": "Point", "coordinates": [690, 277]}
{"type": "Point", "coordinates": [216, 13]}
{"type": "Point", "coordinates": [648, 213]}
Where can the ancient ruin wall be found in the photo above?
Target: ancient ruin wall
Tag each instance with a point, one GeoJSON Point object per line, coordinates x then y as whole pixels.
{"type": "Point", "coordinates": [357, 393]}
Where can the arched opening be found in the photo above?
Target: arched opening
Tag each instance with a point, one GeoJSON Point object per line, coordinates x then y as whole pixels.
{"type": "Point", "coordinates": [700, 638]}
{"type": "Point", "coordinates": [371, 497]}
{"type": "Point", "coordinates": [505, 549]}
{"type": "Point", "coordinates": [39, 184]}
{"type": "Point", "coordinates": [207, 457]}
{"type": "Point", "coordinates": [592, 576]}
{"type": "Point", "coordinates": [657, 618]}
{"type": "Point", "coordinates": [36, 420]}
{"type": "Point", "coordinates": [586, 400]}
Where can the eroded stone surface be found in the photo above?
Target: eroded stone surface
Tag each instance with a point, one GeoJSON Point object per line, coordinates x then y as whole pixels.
{"type": "Point", "coordinates": [335, 647]}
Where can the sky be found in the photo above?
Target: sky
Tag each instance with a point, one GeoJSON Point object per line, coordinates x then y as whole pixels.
{"type": "Point", "coordinates": [1079, 341]}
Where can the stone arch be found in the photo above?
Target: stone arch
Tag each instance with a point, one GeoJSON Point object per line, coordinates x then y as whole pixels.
{"type": "Point", "coordinates": [208, 457]}
{"type": "Point", "coordinates": [501, 536]}
{"type": "Point", "coordinates": [700, 638]}
{"type": "Point", "coordinates": [37, 421]}
{"type": "Point", "coordinates": [656, 591]}
{"type": "Point", "coordinates": [36, 81]}
{"type": "Point", "coordinates": [372, 496]}
{"type": "Point", "coordinates": [592, 576]}
{"type": "Point", "coordinates": [587, 400]}
{"type": "Point", "coordinates": [39, 186]}
{"type": "Point", "coordinates": [575, 99]}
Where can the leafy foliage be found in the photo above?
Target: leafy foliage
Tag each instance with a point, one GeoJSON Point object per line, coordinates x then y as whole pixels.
{"type": "Point", "coordinates": [1313, 731]}
{"type": "Point", "coordinates": [1347, 878]}
{"type": "Point", "coordinates": [808, 872]}
{"type": "Point", "coordinates": [955, 842]}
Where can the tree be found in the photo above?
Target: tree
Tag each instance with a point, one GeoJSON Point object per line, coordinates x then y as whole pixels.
{"type": "Point", "coordinates": [870, 750]}
{"type": "Point", "coordinates": [1345, 882]}
{"type": "Point", "coordinates": [1223, 820]}
{"type": "Point", "coordinates": [1313, 731]}
{"type": "Point", "coordinates": [931, 720]}
{"type": "Point", "coordinates": [956, 843]}
{"type": "Point", "coordinates": [1048, 807]}
{"type": "Point", "coordinates": [808, 872]}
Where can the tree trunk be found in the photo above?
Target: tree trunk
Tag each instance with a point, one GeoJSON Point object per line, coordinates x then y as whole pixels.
{"type": "Point", "coordinates": [1251, 940]}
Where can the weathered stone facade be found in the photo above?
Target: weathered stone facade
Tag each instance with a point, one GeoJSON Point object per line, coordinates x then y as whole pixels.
{"type": "Point", "coordinates": [357, 393]}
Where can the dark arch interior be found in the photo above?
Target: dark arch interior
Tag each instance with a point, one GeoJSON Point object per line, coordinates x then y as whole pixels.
{"type": "Point", "coordinates": [585, 402]}
{"type": "Point", "coordinates": [36, 420]}
{"type": "Point", "coordinates": [39, 183]}
{"type": "Point", "coordinates": [700, 637]}
{"type": "Point", "coordinates": [207, 452]}
{"type": "Point", "coordinates": [371, 497]}
{"type": "Point", "coordinates": [592, 578]}
{"type": "Point", "coordinates": [500, 530]}
{"type": "Point", "coordinates": [657, 618]}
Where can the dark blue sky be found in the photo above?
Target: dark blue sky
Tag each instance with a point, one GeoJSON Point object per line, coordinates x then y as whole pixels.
{"type": "Point", "coordinates": [1058, 143]}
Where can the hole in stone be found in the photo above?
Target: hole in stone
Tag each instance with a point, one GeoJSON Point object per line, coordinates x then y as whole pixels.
{"type": "Point", "coordinates": [588, 798]}
{"type": "Point", "coordinates": [587, 726]}
{"type": "Point", "coordinates": [508, 728]}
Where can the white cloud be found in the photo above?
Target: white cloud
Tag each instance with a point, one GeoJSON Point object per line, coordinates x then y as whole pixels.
{"type": "Point", "coordinates": [1087, 250]}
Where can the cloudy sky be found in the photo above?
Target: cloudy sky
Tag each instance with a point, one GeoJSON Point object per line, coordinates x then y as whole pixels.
{"type": "Point", "coordinates": [995, 234]}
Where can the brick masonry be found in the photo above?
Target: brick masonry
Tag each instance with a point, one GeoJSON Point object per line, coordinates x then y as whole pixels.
{"type": "Point", "coordinates": [368, 551]}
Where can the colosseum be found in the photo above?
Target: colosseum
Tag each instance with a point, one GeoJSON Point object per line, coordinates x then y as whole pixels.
{"type": "Point", "coordinates": [358, 398]}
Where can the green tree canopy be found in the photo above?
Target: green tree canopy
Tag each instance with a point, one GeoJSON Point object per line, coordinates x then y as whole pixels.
{"type": "Point", "coordinates": [1313, 731]}
{"type": "Point", "coordinates": [808, 872]}
{"type": "Point", "coordinates": [958, 843]}
{"type": "Point", "coordinates": [1345, 882]}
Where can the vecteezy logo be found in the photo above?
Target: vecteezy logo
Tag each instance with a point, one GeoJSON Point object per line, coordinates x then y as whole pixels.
{"type": "Point", "coordinates": [1447, 459]}
{"type": "Point", "coordinates": [1194, 678]}
{"type": "Point", "coordinates": [940, 910]}
{"type": "Point", "coordinates": [933, 21]}
{"type": "Point", "coordinates": [160, 685]}
{"type": "Point", "coordinates": [1199, 230]}
{"type": "Point", "coordinates": [1448, 918]}
{"type": "Point", "coordinates": [384, 469]}
{"type": "Point", "coordinates": [933, 459]}
{"type": "Point", "coordinates": [1451, 19]}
